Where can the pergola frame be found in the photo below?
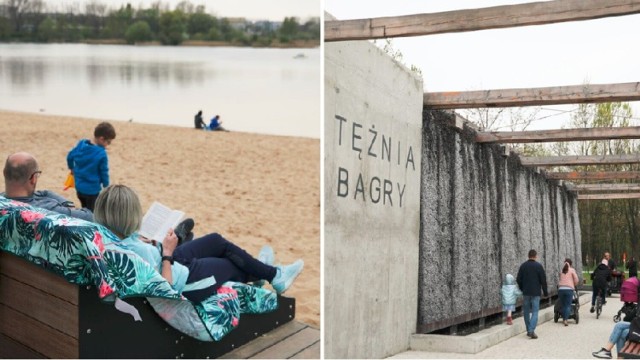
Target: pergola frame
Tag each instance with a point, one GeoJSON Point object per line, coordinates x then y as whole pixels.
{"type": "Point", "coordinates": [535, 13]}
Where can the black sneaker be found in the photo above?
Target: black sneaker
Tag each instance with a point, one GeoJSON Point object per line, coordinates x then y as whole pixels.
{"type": "Point", "coordinates": [184, 229]}
{"type": "Point", "coordinates": [533, 335]}
{"type": "Point", "coordinates": [592, 310]}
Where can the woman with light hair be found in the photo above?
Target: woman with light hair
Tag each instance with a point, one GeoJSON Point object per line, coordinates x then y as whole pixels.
{"type": "Point", "coordinates": [195, 268]}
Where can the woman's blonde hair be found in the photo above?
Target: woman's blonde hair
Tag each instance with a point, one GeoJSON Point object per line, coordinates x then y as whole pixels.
{"type": "Point", "coordinates": [118, 208]}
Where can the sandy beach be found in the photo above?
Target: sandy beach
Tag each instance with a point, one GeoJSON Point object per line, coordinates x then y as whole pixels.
{"type": "Point", "coordinates": [253, 189]}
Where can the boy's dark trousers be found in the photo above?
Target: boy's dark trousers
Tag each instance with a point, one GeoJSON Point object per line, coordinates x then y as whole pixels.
{"type": "Point", "coordinates": [87, 201]}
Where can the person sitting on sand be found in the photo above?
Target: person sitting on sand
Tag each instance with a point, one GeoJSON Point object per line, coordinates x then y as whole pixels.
{"type": "Point", "coordinates": [216, 124]}
{"type": "Point", "coordinates": [21, 173]}
{"type": "Point", "coordinates": [207, 262]}
{"type": "Point", "coordinates": [198, 122]}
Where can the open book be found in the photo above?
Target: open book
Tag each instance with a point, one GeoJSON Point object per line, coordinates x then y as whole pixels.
{"type": "Point", "coordinates": [158, 220]}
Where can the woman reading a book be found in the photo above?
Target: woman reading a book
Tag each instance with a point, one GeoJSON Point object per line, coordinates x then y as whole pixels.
{"type": "Point", "coordinates": [195, 268]}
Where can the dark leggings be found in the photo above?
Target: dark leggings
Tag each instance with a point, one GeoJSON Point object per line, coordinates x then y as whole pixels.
{"type": "Point", "coordinates": [594, 294]}
{"type": "Point", "coordinates": [87, 201]}
{"type": "Point", "coordinates": [213, 255]}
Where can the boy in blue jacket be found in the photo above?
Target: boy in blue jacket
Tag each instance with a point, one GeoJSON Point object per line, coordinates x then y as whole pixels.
{"type": "Point", "coordinates": [89, 164]}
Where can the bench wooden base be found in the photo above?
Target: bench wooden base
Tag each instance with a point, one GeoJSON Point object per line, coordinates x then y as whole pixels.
{"type": "Point", "coordinates": [631, 350]}
{"type": "Point", "coordinates": [44, 316]}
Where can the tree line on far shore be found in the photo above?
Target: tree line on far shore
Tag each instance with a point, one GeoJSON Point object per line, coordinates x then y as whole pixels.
{"type": "Point", "coordinates": [36, 21]}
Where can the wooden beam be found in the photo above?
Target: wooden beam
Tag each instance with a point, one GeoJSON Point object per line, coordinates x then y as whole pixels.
{"type": "Point", "coordinates": [594, 175]}
{"type": "Point", "coordinates": [572, 94]}
{"type": "Point", "coordinates": [608, 196]}
{"type": "Point", "coordinates": [607, 187]}
{"type": "Point", "coordinates": [495, 17]}
{"type": "Point", "coordinates": [580, 160]}
{"type": "Point", "coordinates": [538, 136]}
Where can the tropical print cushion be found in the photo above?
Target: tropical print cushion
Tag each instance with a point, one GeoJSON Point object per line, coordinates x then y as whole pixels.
{"type": "Point", "coordinates": [86, 253]}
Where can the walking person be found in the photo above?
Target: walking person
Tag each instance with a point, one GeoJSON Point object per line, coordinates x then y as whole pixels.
{"type": "Point", "coordinates": [510, 294]}
{"type": "Point", "coordinates": [610, 262]}
{"type": "Point", "coordinates": [566, 287]}
{"type": "Point", "coordinates": [632, 265]}
{"type": "Point", "coordinates": [89, 164]}
{"type": "Point", "coordinates": [532, 280]}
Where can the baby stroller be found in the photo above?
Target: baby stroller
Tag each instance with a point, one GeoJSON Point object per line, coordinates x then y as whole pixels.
{"type": "Point", "coordinates": [575, 307]}
{"type": "Point", "coordinates": [628, 295]}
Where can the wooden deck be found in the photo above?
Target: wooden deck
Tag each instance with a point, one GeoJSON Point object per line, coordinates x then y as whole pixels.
{"type": "Point", "coordinates": [294, 340]}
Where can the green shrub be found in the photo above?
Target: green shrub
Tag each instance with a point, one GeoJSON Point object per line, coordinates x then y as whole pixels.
{"type": "Point", "coordinates": [138, 32]}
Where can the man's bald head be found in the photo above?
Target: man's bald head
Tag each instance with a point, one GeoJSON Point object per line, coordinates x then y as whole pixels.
{"type": "Point", "coordinates": [20, 174]}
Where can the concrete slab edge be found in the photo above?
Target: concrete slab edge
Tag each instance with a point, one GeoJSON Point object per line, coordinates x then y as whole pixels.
{"type": "Point", "coordinates": [481, 340]}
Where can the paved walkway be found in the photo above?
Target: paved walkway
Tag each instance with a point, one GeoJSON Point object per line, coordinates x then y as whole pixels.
{"type": "Point", "coordinates": [555, 341]}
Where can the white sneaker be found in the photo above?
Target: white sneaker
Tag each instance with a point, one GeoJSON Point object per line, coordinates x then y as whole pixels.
{"type": "Point", "coordinates": [286, 275]}
{"type": "Point", "coordinates": [266, 255]}
{"type": "Point", "coordinates": [602, 354]}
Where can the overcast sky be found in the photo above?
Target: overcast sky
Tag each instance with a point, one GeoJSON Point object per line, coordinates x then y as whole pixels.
{"type": "Point", "coordinates": [598, 51]}
{"type": "Point", "coordinates": [251, 9]}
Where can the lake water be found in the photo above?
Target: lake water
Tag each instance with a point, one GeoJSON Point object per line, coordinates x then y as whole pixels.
{"type": "Point", "coordinates": [270, 91]}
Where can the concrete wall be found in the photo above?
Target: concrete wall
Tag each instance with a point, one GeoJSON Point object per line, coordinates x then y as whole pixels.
{"type": "Point", "coordinates": [371, 201]}
{"type": "Point", "coordinates": [481, 214]}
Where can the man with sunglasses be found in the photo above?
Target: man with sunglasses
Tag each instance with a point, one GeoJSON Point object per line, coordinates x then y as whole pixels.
{"type": "Point", "coordinates": [21, 173]}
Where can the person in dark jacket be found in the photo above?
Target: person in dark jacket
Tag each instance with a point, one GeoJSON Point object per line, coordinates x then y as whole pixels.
{"type": "Point", "coordinates": [532, 280]}
{"type": "Point", "coordinates": [600, 276]}
{"type": "Point", "coordinates": [611, 263]}
{"type": "Point", "coordinates": [632, 265]}
{"type": "Point", "coordinates": [198, 122]}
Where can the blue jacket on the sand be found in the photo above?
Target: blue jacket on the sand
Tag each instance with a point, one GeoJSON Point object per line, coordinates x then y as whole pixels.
{"type": "Point", "coordinates": [90, 167]}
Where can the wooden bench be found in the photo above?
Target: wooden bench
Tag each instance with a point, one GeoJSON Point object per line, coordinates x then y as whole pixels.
{"type": "Point", "coordinates": [44, 316]}
{"type": "Point", "coordinates": [631, 350]}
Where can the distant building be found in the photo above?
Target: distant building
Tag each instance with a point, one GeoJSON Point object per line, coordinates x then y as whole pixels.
{"type": "Point", "coordinates": [238, 23]}
{"type": "Point", "coordinates": [263, 27]}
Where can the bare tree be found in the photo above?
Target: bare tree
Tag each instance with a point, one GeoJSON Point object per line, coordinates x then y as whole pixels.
{"type": "Point", "coordinates": [96, 12]}
{"type": "Point", "coordinates": [186, 7]}
{"type": "Point", "coordinates": [17, 10]}
{"type": "Point", "coordinates": [486, 119]}
{"type": "Point", "coordinates": [161, 6]}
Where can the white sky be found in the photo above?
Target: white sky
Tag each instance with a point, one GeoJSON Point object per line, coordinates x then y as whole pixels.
{"type": "Point", "coordinates": [598, 51]}
{"type": "Point", "coordinates": [250, 9]}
